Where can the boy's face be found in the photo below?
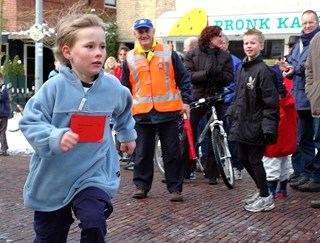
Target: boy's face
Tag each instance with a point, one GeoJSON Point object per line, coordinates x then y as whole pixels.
{"type": "Point", "coordinates": [88, 53]}
{"type": "Point", "coordinates": [251, 46]}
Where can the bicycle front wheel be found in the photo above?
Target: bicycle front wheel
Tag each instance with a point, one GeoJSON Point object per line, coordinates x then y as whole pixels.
{"type": "Point", "coordinates": [224, 163]}
{"type": "Point", "coordinates": [158, 160]}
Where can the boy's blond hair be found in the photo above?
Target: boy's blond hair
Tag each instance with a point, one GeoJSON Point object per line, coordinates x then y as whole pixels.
{"type": "Point", "coordinates": [67, 30]}
{"type": "Point", "coordinates": [257, 33]}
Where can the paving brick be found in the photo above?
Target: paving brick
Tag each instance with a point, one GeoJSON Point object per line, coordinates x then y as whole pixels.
{"type": "Point", "coordinates": [208, 213]}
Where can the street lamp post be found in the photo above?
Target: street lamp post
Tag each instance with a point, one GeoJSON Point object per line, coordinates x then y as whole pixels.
{"type": "Point", "coordinates": [38, 50]}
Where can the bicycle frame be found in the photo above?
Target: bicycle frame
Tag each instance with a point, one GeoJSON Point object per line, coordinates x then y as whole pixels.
{"type": "Point", "coordinates": [219, 143]}
{"type": "Point", "coordinates": [211, 124]}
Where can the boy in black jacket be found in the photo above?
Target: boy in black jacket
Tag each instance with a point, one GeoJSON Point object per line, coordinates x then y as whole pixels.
{"type": "Point", "coordinates": [255, 114]}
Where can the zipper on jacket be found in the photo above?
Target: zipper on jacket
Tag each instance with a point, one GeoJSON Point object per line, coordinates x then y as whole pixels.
{"type": "Point", "coordinates": [83, 101]}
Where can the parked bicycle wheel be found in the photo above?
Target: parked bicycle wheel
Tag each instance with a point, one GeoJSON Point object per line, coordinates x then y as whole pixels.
{"type": "Point", "coordinates": [223, 158]}
{"type": "Point", "coordinates": [158, 160]}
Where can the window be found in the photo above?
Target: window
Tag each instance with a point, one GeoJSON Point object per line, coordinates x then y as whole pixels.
{"type": "Point", "coordinates": [112, 3]}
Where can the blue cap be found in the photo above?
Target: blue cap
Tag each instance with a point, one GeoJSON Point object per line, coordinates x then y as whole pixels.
{"type": "Point", "coordinates": [143, 23]}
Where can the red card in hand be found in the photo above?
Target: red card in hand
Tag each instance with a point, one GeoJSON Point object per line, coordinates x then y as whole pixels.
{"type": "Point", "coordinates": [89, 128]}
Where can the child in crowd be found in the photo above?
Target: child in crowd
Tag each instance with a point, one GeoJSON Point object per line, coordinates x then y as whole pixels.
{"type": "Point", "coordinates": [4, 116]}
{"type": "Point", "coordinates": [277, 156]}
{"type": "Point", "coordinates": [255, 114]}
{"type": "Point", "coordinates": [75, 165]}
{"type": "Point", "coordinates": [122, 54]}
{"type": "Point", "coordinates": [124, 157]}
{"type": "Point", "coordinates": [109, 65]}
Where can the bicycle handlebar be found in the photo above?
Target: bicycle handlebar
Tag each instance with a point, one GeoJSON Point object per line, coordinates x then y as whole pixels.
{"type": "Point", "coordinates": [211, 99]}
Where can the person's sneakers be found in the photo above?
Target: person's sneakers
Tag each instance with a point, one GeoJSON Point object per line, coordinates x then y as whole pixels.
{"type": "Point", "coordinates": [253, 198]}
{"type": "Point", "coordinates": [261, 205]}
{"type": "Point", "coordinates": [237, 174]}
{"type": "Point", "coordinates": [310, 186]}
{"type": "Point", "coordinates": [125, 157]}
{"type": "Point", "coordinates": [140, 194]}
{"type": "Point", "coordinates": [315, 203]}
{"type": "Point", "coordinates": [279, 194]}
{"type": "Point", "coordinates": [282, 193]}
{"type": "Point", "coordinates": [129, 166]}
{"type": "Point", "coordinates": [176, 197]}
{"type": "Point", "coordinates": [193, 175]}
{"type": "Point", "coordinates": [300, 181]}
{"type": "Point", "coordinates": [213, 181]}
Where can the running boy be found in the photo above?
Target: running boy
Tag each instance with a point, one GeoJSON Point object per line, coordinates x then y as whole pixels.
{"type": "Point", "coordinates": [255, 114]}
{"type": "Point", "coordinates": [75, 165]}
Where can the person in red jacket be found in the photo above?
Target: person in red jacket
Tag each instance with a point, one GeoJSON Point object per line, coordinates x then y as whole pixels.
{"type": "Point", "coordinates": [277, 156]}
{"type": "Point", "coordinates": [122, 53]}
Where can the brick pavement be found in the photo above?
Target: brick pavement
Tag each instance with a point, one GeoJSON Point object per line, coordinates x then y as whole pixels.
{"type": "Point", "coordinates": [208, 214]}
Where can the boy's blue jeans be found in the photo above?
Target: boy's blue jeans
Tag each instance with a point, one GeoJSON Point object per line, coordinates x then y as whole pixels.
{"type": "Point", "coordinates": [91, 206]}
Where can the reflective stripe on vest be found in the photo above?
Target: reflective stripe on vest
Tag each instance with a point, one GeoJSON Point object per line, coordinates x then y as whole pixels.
{"type": "Point", "coordinates": [148, 94]}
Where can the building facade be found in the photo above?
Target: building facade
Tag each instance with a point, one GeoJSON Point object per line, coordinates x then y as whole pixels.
{"type": "Point", "coordinates": [276, 19]}
{"type": "Point", "coordinates": [174, 21]}
{"type": "Point", "coordinates": [19, 15]}
{"type": "Point", "coordinates": [128, 11]}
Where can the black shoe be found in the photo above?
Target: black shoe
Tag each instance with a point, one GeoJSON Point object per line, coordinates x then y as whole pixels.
{"type": "Point", "coordinates": [139, 194]}
{"type": "Point", "coordinates": [213, 181]}
{"type": "Point", "coordinates": [310, 186]}
{"type": "Point", "coordinates": [315, 203]}
{"type": "Point", "coordinates": [300, 181]}
{"type": "Point", "coordinates": [293, 177]}
{"type": "Point", "coordinates": [4, 153]}
{"type": "Point", "coordinates": [176, 197]}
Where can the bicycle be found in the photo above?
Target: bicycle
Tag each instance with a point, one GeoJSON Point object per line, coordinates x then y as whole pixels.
{"type": "Point", "coordinates": [157, 150]}
{"type": "Point", "coordinates": [219, 141]}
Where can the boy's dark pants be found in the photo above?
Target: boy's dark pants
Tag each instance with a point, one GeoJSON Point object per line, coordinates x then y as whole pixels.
{"type": "Point", "coordinates": [251, 158]}
{"type": "Point", "coordinates": [91, 206]}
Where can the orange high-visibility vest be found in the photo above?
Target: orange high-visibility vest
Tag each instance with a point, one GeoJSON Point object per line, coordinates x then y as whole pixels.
{"type": "Point", "coordinates": [153, 84]}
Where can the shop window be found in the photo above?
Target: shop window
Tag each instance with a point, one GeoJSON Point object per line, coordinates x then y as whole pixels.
{"type": "Point", "coordinates": [273, 49]}
{"type": "Point", "coordinates": [110, 3]}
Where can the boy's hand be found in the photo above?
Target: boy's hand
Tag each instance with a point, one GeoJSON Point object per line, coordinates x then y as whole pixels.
{"type": "Point", "coordinates": [128, 147]}
{"type": "Point", "coordinates": [68, 141]}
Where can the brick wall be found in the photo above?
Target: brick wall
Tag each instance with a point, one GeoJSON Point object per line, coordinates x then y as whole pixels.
{"type": "Point", "coordinates": [128, 11]}
{"type": "Point", "coordinates": [9, 12]}
{"type": "Point", "coordinates": [20, 14]}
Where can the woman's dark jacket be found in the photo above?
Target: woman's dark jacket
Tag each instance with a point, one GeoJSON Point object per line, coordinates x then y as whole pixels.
{"type": "Point", "coordinates": [4, 102]}
{"type": "Point", "coordinates": [210, 70]}
{"type": "Point", "coordinates": [255, 111]}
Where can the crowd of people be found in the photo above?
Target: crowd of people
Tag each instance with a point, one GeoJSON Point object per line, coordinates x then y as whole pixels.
{"type": "Point", "coordinates": [144, 92]}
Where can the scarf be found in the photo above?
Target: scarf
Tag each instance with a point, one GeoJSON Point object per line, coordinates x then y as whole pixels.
{"type": "Point", "coordinates": [306, 38]}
